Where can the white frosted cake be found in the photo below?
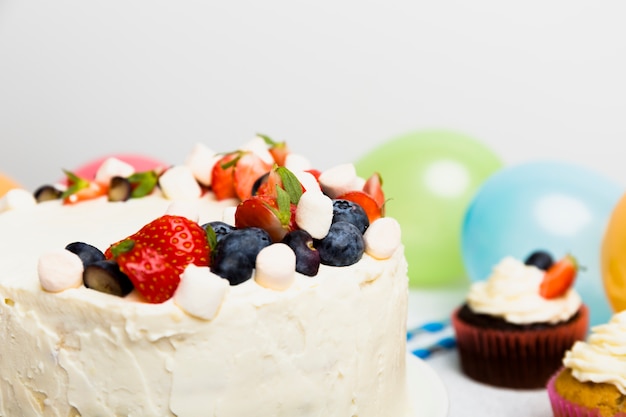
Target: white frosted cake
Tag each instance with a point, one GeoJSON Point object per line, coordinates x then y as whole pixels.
{"type": "Point", "coordinates": [279, 343]}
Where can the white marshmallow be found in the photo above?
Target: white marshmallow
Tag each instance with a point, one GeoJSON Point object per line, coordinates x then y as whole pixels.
{"type": "Point", "coordinates": [60, 270]}
{"type": "Point", "coordinates": [178, 183]}
{"type": "Point", "coordinates": [17, 198]}
{"type": "Point", "coordinates": [339, 180]}
{"type": "Point", "coordinates": [308, 181]}
{"type": "Point", "coordinates": [201, 161]}
{"type": "Point", "coordinates": [201, 292]}
{"type": "Point", "coordinates": [296, 162]}
{"type": "Point", "coordinates": [228, 215]}
{"type": "Point", "coordinates": [314, 213]}
{"type": "Point", "coordinates": [382, 237]}
{"type": "Point", "coordinates": [259, 147]}
{"type": "Point", "coordinates": [113, 167]}
{"type": "Point", "coordinates": [275, 267]}
{"type": "Point", "coordinates": [185, 209]}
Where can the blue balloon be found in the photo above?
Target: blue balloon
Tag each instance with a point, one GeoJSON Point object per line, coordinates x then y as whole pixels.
{"type": "Point", "coordinates": [555, 206]}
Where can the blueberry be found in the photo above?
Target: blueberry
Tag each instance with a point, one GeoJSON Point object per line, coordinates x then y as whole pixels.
{"type": "Point", "coordinates": [221, 229]}
{"type": "Point", "coordinates": [348, 211]}
{"type": "Point", "coordinates": [105, 276]}
{"type": "Point", "coordinates": [120, 189]}
{"type": "Point", "coordinates": [307, 257]}
{"type": "Point", "coordinates": [342, 246]}
{"type": "Point", "coordinates": [541, 259]}
{"type": "Point", "coordinates": [235, 254]}
{"type": "Point", "coordinates": [47, 193]}
{"type": "Point", "coordinates": [86, 252]}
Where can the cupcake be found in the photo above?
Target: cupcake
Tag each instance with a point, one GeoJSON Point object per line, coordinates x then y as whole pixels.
{"type": "Point", "coordinates": [514, 327]}
{"type": "Point", "coordinates": [592, 380]}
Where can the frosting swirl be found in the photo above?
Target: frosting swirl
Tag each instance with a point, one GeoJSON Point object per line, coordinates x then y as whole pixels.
{"type": "Point", "coordinates": [602, 358]}
{"type": "Point", "coordinates": [512, 293]}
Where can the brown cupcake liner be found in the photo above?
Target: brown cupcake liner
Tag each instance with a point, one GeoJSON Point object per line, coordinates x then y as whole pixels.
{"type": "Point", "coordinates": [524, 359]}
{"type": "Point", "coordinates": [562, 407]}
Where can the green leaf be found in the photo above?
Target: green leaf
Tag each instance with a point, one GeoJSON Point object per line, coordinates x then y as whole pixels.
{"type": "Point", "coordinates": [124, 246]}
{"type": "Point", "coordinates": [267, 140]}
{"type": "Point", "coordinates": [143, 183]}
{"type": "Point", "coordinates": [75, 182]}
{"type": "Point", "coordinates": [291, 184]}
{"type": "Point", "coordinates": [284, 206]}
{"type": "Point", "coordinates": [211, 237]}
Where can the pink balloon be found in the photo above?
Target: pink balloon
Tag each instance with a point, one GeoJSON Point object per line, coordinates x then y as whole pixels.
{"type": "Point", "coordinates": [139, 162]}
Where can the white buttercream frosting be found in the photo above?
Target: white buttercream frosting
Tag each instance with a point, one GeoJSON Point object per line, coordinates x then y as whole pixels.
{"type": "Point", "coordinates": [331, 345]}
{"type": "Point", "coordinates": [512, 293]}
{"type": "Point", "coordinates": [602, 358]}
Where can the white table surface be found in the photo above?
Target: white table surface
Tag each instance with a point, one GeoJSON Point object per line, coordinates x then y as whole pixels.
{"type": "Point", "coordinates": [468, 398]}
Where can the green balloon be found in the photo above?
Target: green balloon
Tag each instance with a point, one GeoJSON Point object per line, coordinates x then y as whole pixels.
{"type": "Point", "coordinates": [429, 179]}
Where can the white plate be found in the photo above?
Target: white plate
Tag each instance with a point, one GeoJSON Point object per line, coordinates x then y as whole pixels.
{"type": "Point", "coordinates": [427, 394]}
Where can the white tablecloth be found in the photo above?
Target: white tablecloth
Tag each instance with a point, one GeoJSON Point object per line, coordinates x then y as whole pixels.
{"type": "Point", "coordinates": [468, 398]}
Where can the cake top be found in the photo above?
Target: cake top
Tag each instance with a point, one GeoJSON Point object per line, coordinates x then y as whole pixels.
{"type": "Point", "coordinates": [535, 291]}
{"type": "Point", "coordinates": [189, 232]}
{"type": "Point", "coordinates": [601, 358]}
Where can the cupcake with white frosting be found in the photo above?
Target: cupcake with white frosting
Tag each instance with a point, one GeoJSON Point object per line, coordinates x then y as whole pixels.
{"type": "Point", "coordinates": [515, 326]}
{"type": "Point", "coordinates": [592, 381]}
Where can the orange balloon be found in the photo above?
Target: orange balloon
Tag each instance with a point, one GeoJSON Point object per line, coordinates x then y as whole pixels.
{"type": "Point", "coordinates": [613, 257]}
{"type": "Point", "coordinates": [7, 184]}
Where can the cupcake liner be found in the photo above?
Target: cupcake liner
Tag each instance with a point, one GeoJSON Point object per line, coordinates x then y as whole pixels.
{"type": "Point", "coordinates": [520, 359]}
{"type": "Point", "coordinates": [562, 407]}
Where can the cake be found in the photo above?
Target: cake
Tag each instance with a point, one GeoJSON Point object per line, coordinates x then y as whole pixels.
{"type": "Point", "coordinates": [515, 326]}
{"type": "Point", "coordinates": [592, 380]}
{"type": "Point", "coordinates": [327, 341]}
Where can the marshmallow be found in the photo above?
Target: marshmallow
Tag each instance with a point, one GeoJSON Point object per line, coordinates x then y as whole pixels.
{"type": "Point", "coordinates": [113, 167]}
{"type": "Point", "coordinates": [275, 267]}
{"type": "Point", "coordinates": [382, 237]}
{"type": "Point", "coordinates": [308, 181]}
{"type": "Point", "coordinates": [178, 183]}
{"type": "Point", "coordinates": [201, 161]}
{"type": "Point", "coordinates": [339, 180]}
{"type": "Point", "coordinates": [17, 198]}
{"type": "Point", "coordinates": [200, 292]}
{"type": "Point", "coordinates": [296, 162]}
{"type": "Point", "coordinates": [314, 213]}
{"type": "Point", "coordinates": [259, 147]}
{"type": "Point", "coordinates": [60, 270]}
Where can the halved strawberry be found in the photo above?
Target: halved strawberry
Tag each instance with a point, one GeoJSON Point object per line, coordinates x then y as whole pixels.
{"type": "Point", "coordinates": [374, 187]}
{"type": "Point", "coordinates": [278, 150]}
{"type": "Point", "coordinates": [366, 201]}
{"type": "Point", "coordinates": [266, 213]}
{"type": "Point", "coordinates": [223, 183]}
{"type": "Point", "coordinates": [80, 189]}
{"type": "Point", "coordinates": [559, 277]}
{"type": "Point", "coordinates": [152, 276]}
{"type": "Point", "coordinates": [248, 168]}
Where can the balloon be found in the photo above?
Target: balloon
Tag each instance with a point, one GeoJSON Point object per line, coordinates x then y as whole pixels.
{"type": "Point", "coordinates": [7, 184]}
{"type": "Point", "coordinates": [549, 205]}
{"type": "Point", "coordinates": [429, 178]}
{"type": "Point", "coordinates": [139, 162]}
{"type": "Point", "coordinates": [613, 257]}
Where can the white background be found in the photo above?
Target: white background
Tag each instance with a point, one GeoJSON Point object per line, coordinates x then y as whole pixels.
{"type": "Point", "coordinates": [533, 79]}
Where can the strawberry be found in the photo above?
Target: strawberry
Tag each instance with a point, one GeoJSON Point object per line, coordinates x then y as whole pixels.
{"type": "Point", "coordinates": [559, 277]}
{"type": "Point", "coordinates": [248, 168]}
{"type": "Point", "coordinates": [373, 187]}
{"type": "Point", "coordinates": [80, 189]}
{"type": "Point", "coordinates": [366, 201]}
{"type": "Point", "coordinates": [153, 277]}
{"type": "Point", "coordinates": [266, 212]}
{"type": "Point", "coordinates": [223, 183]}
{"type": "Point", "coordinates": [278, 150]}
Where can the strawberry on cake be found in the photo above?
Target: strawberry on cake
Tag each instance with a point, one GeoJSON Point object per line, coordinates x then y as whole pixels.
{"type": "Point", "coordinates": [234, 284]}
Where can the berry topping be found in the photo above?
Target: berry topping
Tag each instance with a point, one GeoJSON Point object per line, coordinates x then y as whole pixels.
{"type": "Point", "coordinates": [541, 259]}
{"type": "Point", "coordinates": [235, 255]}
{"type": "Point", "coordinates": [270, 214]}
{"type": "Point", "coordinates": [248, 169]}
{"type": "Point", "coordinates": [374, 188]}
{"type": "Point", "coordinates": [105, 276]}
{"type": "Point", "coordinates": [120, 189]}
{"type": "Point", "coordinates": [342, 246]}
{"type": "Point", "coordinates": [87, 253]}
{"type": "Point", "coordinates": [367, 202]}
{"type": "Point", "coordinates": [80, 189]}
{"type": "Point", "coordinates": [559, 277]}
{"type": "Point", "coordinates": [47, 193]}
{"type": "Point", "coordinates": [278, 150]}
{"type": "Point", "coordinates": [351, 212]}
{"type": "Point", "coordinates": [153, 277]}
{"type": "Point", "coordinates": [307, 257]}
{"type": "Point", "coordinates": [219, 229]}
